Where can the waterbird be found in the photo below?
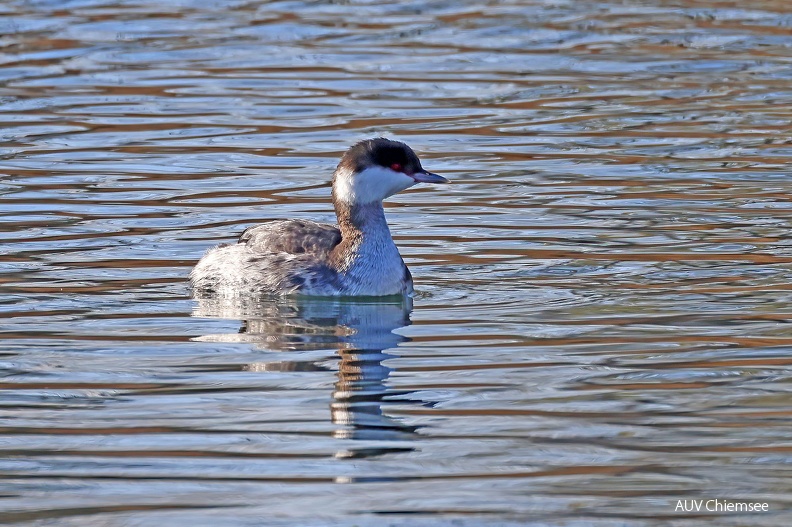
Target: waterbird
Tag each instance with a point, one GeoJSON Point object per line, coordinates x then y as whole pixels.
{"type": "Point", "coordinates": [357, 257]}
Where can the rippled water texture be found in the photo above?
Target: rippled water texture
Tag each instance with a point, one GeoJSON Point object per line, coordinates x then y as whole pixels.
{"type": "Point", "coordinates": [602, 319]}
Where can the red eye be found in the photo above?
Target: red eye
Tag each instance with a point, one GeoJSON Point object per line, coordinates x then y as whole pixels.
{"type": "Point", "coordinates": [396, 167]}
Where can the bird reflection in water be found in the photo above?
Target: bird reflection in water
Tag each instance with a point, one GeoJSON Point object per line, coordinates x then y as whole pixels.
{"type": "Point", "coordinates": [361, 331]}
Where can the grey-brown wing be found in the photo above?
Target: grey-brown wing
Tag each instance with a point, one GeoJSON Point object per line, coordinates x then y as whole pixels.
{"type": "Point", "coordinates": [292, 237]}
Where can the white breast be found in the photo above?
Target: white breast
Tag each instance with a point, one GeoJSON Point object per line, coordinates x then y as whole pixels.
{"type": "Point", "coordinates": [375, 267]}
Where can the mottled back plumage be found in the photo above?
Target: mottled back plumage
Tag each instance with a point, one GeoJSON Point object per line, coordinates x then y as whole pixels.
{"type": "Point", "coordinates": [292, 236]}
{"type": "Point", "coordinates": [276, 257]}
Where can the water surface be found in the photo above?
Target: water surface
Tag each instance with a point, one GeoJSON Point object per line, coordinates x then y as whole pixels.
{"type": "Point", "coordinates": [603, 293]}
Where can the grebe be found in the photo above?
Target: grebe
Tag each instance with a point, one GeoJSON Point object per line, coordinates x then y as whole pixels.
{"type": "Point", "coordinates": [356, 258]}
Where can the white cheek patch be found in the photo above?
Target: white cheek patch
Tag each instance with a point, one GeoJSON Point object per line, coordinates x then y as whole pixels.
{"type": "Point", "coordinates": [372, 184]}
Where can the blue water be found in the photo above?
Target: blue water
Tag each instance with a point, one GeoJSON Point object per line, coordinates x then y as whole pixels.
{"type": "Point", "coordinates": [603, 292]}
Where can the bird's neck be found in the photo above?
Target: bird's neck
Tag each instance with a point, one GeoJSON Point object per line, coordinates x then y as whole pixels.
{"type": "Point", "coordinates": [367, 256]}
{"type": "Point", "coordinates": [363, 223]}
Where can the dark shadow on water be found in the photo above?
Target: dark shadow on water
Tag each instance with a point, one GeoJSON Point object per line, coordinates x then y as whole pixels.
{"type": "Point", "coordinates": [361, 331]}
